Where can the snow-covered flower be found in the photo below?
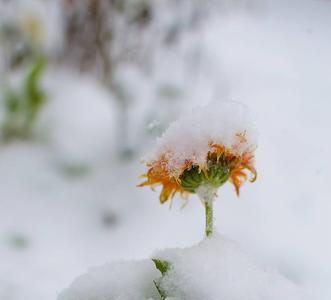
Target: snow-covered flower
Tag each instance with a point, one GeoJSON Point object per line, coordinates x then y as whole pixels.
{"type": "Point", "coordinates": [206, 147]}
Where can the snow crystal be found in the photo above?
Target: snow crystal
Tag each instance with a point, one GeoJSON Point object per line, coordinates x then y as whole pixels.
{"type": "Point", "coordinates": [115, 281]}
{"type": "Point", "coordinates": [189, 137]}
{"type": "Point", "coordinates": [217, 269]}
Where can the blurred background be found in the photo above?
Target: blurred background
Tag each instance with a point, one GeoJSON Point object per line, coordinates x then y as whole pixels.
{"type": "Point", "coordinates": [86, 86]}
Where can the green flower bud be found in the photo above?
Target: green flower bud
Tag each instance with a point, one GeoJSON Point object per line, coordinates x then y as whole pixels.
{"type": "Point", "coordinates": [215, 176]}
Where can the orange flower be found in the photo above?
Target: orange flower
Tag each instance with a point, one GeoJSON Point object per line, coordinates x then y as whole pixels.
{"type": "Point", "coordinates": [221, 164]}
{"type": "Point", "coordinates": [158, 175]}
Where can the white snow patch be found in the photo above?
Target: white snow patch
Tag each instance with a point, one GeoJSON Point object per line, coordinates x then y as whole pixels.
{"type": "Point", "coordinates": [214, 269]}
{"type": "Point", "coordinates": [217, 269]}
{"type": "Point", "coordinates": [189, 137]}
{"type": "Point", "coordinates": [115, 281]}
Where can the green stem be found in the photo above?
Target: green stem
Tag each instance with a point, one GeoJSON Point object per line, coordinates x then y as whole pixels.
{"type": "Point", "coordinates": [163, 266]}
{"type": "Point", "coordinates": [209, 217]}
{"type": "Point", "coordinates": [162, 295]}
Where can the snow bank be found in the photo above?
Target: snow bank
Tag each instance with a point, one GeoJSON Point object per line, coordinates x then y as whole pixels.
{"type": "Point", "coordinates": [217, 269]}
{"type": "Point", "coordinates": [212, 270]}
{"type": "Point", "coordinates": [228, 124]}
{"type": "Point", "coordinates": [115, 281]}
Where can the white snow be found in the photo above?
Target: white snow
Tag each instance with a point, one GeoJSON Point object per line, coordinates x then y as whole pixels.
{"type": "Point", "coordinates": [217, 269]}
{"type": "Point", "coordinates": [115, 281]}
{"type": "Point", "coordinates": [214, 269]}
{"type": "Point", "coordinates": [189, 138]}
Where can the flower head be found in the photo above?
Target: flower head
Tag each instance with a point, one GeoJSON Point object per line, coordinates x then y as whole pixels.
{"type": "Point", "coordinates": [209, 146]}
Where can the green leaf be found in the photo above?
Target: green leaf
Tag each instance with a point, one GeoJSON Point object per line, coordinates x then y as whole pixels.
{"type": "Point", "coordinates": [23, 106]}
{"type": "Point", "coordinates": [33, 93]}
{"type": "Point", "coordinates": [32, 79]}
{"type": "Point", "coordinates": [162, 265]}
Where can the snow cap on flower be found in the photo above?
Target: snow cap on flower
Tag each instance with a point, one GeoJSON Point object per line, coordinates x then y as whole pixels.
{"type": "Point", "coordinates": [209, 145]}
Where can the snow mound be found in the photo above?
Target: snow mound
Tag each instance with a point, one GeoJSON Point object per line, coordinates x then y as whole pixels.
{"type": "Point", "coordinates": [228, 124]}
{"type": "Point", "coordinates": [115, 281]}
{"type": "Point", "coordinates": [212, 270]}
{"type": "Point", "coordinates": [217, 269]}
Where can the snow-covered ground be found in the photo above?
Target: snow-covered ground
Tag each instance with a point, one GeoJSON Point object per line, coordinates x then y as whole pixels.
{"type": "Point", "coordinates": [67, 203]}
{"type": "Point", "coordinates": [213, 269]}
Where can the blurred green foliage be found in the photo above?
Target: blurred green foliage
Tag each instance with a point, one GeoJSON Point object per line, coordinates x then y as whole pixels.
{"type": "Point", "coordinates": [18, 241]}
{"type": "Point", "coordinates": [74, 170]}
{"type": "Point", "coordinates": [22, 105]}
